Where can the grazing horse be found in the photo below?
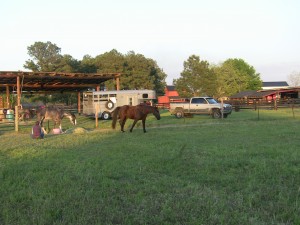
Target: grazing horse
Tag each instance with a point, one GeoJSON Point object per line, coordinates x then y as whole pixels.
{"type": "Point", "coordinates": [135, 113]}
{"type": "Point", "coordinates": [55, 114]}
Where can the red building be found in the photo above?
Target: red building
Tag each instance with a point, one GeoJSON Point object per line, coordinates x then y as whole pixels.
{"type": "Point", "coordinates": [170, 95]}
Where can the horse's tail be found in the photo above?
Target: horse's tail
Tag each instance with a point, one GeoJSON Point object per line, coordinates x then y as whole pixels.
{"type": "Point", "coordinates": [115, 114]}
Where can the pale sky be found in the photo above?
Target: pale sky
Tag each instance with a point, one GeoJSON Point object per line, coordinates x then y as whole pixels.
{"type": "Point", "coordinates": [264, 33]}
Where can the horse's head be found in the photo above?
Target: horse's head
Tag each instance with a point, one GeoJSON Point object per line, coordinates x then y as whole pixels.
{"type": "Point", "coordinates": [73, 119]}
{"type": "Point", "coordinates": [156, 113]}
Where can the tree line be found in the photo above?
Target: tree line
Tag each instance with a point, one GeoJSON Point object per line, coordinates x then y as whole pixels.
{"type": "Point", "coordinates": [138, 72]}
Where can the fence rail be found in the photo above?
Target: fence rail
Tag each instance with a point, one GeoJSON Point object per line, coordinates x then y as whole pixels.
{"type": "Point", "coordinates": [264, 104]}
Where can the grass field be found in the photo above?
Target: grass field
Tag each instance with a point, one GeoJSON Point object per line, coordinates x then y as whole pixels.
{"type": "Point", "coordinates": [239, 170]}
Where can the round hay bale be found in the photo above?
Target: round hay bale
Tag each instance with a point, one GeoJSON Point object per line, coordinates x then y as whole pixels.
{"type": "Point", "coordinates": [77, 130]}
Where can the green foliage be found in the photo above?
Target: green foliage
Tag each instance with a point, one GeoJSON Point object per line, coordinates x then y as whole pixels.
{"type": "Point", "coordinates": [196, 79]}
{"type": "Point", "coordinates": [68, 64]}
{"type": "Point", "coordinates": [238, 171]}
{"type": "Point", "coordinates": [138, 72]}
{"type": "Point", "coordinates": [232, 76]}
{"type": "Point", "coordinates": [245, 75]}
{"type": "Point", "coordinates": [228, 81]}
{"type": "Point", "coordinates": [87, 65]}
{"type": "Point", "coordinates": [45, 57]}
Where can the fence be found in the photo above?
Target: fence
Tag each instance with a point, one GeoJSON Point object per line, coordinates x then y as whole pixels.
{"type": "Point", "coordinates": [264, 104]}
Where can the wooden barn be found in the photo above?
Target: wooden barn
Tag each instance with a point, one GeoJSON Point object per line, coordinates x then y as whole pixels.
{"type": "Point", "coordinates": [171, 95]}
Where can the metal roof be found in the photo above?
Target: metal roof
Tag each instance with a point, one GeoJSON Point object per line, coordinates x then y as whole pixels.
{"type": "Point", "coordinates": [53, 81]}
{"type": "Point", "coordinates": [275, 84]}
{"type": "Point", "coordinates": [262, 93]}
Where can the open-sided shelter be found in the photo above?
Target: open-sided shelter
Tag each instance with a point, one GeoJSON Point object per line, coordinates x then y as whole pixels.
{"type": "Point", "coordinates": [41, 82]}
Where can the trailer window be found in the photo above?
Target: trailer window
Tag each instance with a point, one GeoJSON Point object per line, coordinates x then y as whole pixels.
{"type": "Point", "coordinates": [145, 95]}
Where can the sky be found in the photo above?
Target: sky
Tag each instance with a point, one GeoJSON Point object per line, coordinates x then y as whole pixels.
{"type": "Point", "coordinates": [264, 33]}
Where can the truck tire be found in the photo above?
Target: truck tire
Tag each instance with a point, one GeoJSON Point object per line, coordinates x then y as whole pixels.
{"type": "Point", "coordinates": [109, 105]}
{"type": "Point", "coordinates": [106, 115]}
{"type": "Point", "coordinates": [179, 114]}
{"type": "Point", "coordinates": [216, 114]}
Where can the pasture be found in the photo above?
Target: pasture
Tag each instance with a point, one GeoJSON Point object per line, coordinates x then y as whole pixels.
{"type": "Point", "coordinates": [199, 170]}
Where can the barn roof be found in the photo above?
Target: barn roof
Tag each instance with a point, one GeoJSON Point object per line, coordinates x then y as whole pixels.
{"type": "Point", "coordinates": [275, 84]}
{"type": "Point", "coordinates": [53, 81]}
{"type": "Point", "coordinates": [262, 93]}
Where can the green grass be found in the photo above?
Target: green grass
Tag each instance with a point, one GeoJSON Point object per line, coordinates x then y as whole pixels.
{"type": "Point", "coordinates": [240, 170]}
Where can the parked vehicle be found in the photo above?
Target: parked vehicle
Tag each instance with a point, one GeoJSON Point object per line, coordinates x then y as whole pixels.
{"type": "Point", "coordinates": [200, 105]}
{"type": "Point", "coordinates": [106, 101]}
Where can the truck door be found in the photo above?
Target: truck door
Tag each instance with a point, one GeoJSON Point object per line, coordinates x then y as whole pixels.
{"type": "Point", "coordinates": [199, 106]}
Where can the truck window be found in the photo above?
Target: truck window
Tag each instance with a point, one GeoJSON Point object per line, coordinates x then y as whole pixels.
{"type": "Point", "coordinates": [198, 101]}
{"type": "Point", "coordinates": [212, 101]}
{"type": "Point", "coordinates": [145, 95]}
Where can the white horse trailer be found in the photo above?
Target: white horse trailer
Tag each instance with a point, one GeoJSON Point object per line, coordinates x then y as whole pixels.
{"type": "Point", "coordinates": [104, 102]}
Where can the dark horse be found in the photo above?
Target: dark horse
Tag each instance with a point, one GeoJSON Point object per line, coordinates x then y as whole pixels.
{"type": "Point", "coordinates": [135, 113]}
{"type": "Point", "coordinates": [55, 114]}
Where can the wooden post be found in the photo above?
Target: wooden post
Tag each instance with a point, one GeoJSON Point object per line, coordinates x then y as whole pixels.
{"type": "Point", "coordinates": [16, 118]}
{"type": "Point", "coordinates": [222, 108]}
{"type": "Point", "coordinates": [293, 109]}
{"type": "Point", "coordinates": [78, 103]}
{"type": "Point", "coordinates": [96, 116]}
{"type": "Point", "coordinates": [18, 91]}
{"type": "Point", "coordinates": [257, 111]}
{"type": "Point", "coordinates": [18, 105]}
{"type": "Point", "coordinates": [7, 97]}
{"type": "Point", "coordinates": [118, 83]}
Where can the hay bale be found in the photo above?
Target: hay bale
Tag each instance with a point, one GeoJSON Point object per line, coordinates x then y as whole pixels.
{"type": "Point", "coordinates": [77, 130]}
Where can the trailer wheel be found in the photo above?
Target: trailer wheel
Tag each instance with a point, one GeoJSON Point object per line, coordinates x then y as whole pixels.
{"type": "Point", "coordinates": [179, 114]}
{"type": "Point", "coordinates": [216, 114]}
{"type": "Point", "coordinates": [109, 104]}
{"type": "Point", "coordinates": [106, 115]}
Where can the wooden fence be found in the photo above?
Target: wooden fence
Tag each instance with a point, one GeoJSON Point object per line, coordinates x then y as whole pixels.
{"type": "Point", "coordinates": [264, 104]}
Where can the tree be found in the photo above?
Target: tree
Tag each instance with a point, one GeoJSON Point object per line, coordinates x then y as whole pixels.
{"type": "Point", "coordinates": [45, 57]}
{"type": "Point", "coordinates": [87, 65]}
{"type": "Point", "coordinates": [142, 73]}
{"type": "Point", "coordinates": [138, 72]}
{"type": "Point", "coordinates": [68, 64]}
{"type": "Point", "coordinates": [294, 79]}
{"type": "Point", "coordinates": [228, 80]}
{"type": "Point", "coordinates": [196, 79]}
{"type": "Point", "coordinates": [247, 78]}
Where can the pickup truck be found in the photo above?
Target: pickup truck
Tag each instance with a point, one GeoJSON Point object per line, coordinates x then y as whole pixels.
{"type": "Point", "coordinates": [200, 105]}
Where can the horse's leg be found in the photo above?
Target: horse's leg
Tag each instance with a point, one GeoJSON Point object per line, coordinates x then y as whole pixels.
{"type": "Point", "coordinates": [41, 121]}
{"type": "Point", "coordinates": [144, 122]}
{"type": "Point", "coordinates": [41, 125]}
{"type": "Point", "coordinates": [134, 122]}
{"type": "Point", "coordinates": [59, 122]}
{"type": "Point", "coordinates": [122, 123]}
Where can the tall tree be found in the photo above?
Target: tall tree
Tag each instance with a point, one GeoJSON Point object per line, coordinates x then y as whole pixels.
{"type": "Point", "coordinates": [68, 64]}
{"type": "Point", "coordinates": [45, 57]}
{"type": "Point", "coordinates": [142, 73]}
{"type": "Point", "coordinates": [138, 72]}
{"type": "Point", "coordinates": [87, 65]}
{"type": "Point", "coordinates": [196, 79]}
{"type": "Point", "coordinates": [228, 80]}
{"type": "Point", "coordinates": [248, 78]}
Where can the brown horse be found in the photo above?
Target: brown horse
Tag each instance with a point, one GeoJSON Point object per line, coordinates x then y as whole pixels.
{"type": "Point", "coordinates": [135, 113]}
{"type": "Point", "coordinates": [55, 114]}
